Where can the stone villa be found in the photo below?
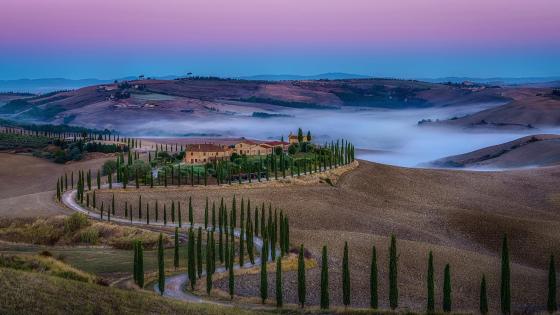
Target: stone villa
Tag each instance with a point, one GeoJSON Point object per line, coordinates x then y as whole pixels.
{"type": "Point", "coordinates": [209, 152]}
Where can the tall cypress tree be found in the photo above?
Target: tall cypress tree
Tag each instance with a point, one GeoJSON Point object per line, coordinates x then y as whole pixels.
{"type": "Point", "coordinates": [209, 270]}
{"type": "Point", "coordinates": [483, 306]}
{"type": "Point", "coordinates": [264, 274]}
{"type": "Point", "coordinates": [191, 263]}
{"type": "Point", "coordinates": [301, 277]}
{"type": "Point", "coordinates": [279, 293]}
{"type": "Point", "coordinates": [393, 288]}
{"type": "Point", "coordinates": [191, 217]}
{"type": "Point", "coordinates": [325, 300]}
{"type": "Point", "coordinates": [551, 304]}
{"type": "Point", "coordinates": [373, 296]}
{"type": "Point", "coordinates": [206, 214]}
{"type": "Point", "coordinates": [505, 288]}
{"type": "Point", "coordinates": [135, 270]}
{"type": "Point", "coordinates": [231, 278]}
{"type": "Point", "coordinates": [447, 289]}
{"type": "Point", "coordinates": [430, 308]}
{"type": "Point", "coordinates": [199, 252]}
{"type": "Point", "coordinates": [176, 249]}
{"type": "Point", "coordinates": [161, 266]}
{"type": "Point", "coordinates": [140, 276]}
{"type": "Point", "coordinates": [345, 277]}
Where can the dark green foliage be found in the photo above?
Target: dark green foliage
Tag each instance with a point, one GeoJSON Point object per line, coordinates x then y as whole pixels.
{"type": "Point", "coordinates": [447, 289]}
{"type": "Point", "coordinates": [161, 266]}
{"type": "Point", "coordinates": [373, 297]}
{"type": "Point", "coordinates": [505, 287]}
{"type": "Point", "coordinates": [176, 249]}
{"type": "Point", "coordinates": [231, 278]}
{"type": "Point", "coordinates": [430, 308]}
{"type": "Point", "coordinates": [191, 259]}
{"type": "Point", "coordinates": [345, 277]}
{"type": "Point", "coordinates": [393, 287]}
{"type": "Point", "coordinates": [483, 306]}
{"type": "Point", "coordinates": [140, 265]}
{"type": "Point", "coordinates": [551, 304]}
{"type": "Point", "coordinates": [264, 274]}
{"type": "Point", "coordinates": [325, 300]}
{"type": "Point", "coordinates": [301, 277]}
{"type": "Point", "coordinates": [199, 252]}
{"type": "Point", "coordinates": [279, 293]}
{"type": "Point", "coordinates": [209, 269]}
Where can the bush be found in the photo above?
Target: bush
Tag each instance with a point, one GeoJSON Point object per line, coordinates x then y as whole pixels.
{"type": "Point", "coordinates": [109, 167]}
{"type": "Point", "coordinates": [75, 222]}
{"type": "Point", "coordinates": [89, 236]}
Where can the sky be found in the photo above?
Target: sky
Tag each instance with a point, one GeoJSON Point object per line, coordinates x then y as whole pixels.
{"type": "Point", "coordinates": [398, 38]}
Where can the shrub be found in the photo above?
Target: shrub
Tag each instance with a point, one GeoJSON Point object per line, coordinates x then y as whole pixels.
{"type": "Point", "coordinates": [89, 236]}
{"type": "Point", "coordinates": [75, 222]}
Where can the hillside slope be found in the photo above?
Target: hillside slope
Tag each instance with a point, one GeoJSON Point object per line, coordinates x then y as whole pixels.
{"type": "Point", "coordinates": [186, 99]}
{"type": "Point", "coordinates": [536, 150]}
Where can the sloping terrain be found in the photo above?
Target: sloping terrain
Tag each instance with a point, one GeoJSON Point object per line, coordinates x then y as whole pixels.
{"type": "Point", "coordinates": [460, 216]}
{"type": "Point", "coordinates": [184, 99]}
{"type": "Point", "coordinates": [525, 112]}
{"type": "Point", "coordinates": [530, 151]}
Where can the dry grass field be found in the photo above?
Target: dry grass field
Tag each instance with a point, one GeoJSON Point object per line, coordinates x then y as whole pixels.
{"type": "Point", "coordinates": [459, 215]}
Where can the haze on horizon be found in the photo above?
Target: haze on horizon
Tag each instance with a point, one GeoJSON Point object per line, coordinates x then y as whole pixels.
{"type": "Point", "coordinates": [407, 39]}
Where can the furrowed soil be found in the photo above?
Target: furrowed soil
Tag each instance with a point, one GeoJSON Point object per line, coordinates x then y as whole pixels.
{"type": "Point", "coordinates": [459, 215]}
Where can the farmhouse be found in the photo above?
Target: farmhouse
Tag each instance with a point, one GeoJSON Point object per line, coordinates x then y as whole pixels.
{"type": "Point", "coordinates": [207, 152]}
{"type": "Point", "coordinates": [294, 138]}
{"type": "Point", "coordinates": [248, 147]}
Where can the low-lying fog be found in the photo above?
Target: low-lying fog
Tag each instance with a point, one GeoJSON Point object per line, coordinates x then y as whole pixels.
{"type": "Point", "coordinates": [386, 136]}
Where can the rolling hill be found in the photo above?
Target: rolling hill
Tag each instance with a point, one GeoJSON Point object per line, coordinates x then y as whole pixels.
{"type": "Point", "coordinates": [192, 98]}
{"type": "Point", "coordinates": [530, 151]}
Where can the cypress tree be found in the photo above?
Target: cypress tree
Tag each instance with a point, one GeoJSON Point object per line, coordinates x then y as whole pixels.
{"type": "Point", "coordinates": [161, 266]}
{"type": "Point", "coordinates": [98, 179]}
{"type": "Point", "coordinates": [279, 293]}
{"type": "Point", "coordinates": [373, 297]}
{"type": "Point", "coordinates": [164, 214]}
{"type": "Point", "coordinates": [301, 277]}
{"type": "Point", "coordinates": [176, 249]}
{"type": "Point", "coordinates": [191, 218]}
{"type": "Point", "coordinates": [206, 214]}
{"type": "Point", "coordinates": [231, 279]}
{"type": "Point", "coordinates": [135, 270]}
{"type": "Point", "coordinates": [430, 308]}
{"type": "Point", "coordinates": [140, 265]}
{"type": "Point", "coordinates": [199, 252]}
{"type": "Point", "coordinates": [101, 210]}
{"type": "Point", "coordinates": [483, 297]}
{"type": "Point", "coordinates": [393, 289]}
{"type": "Point", "coordinates": [147, 213]}
{"type": "Point", "coordinates": [213, 215]}
{"type": "Point", "coordinates": [179, 216]}
{"type": "Point", "coordinates": [172, 211]}
{"type": "Point", "coordinates": [241, 247]}
{"type": "Point", "coordinates": [505, 289]}
{"type": "Point", "coordinates": [191, 265]}
{"type": "Point", "coordinates": [264, 274]}
{"type": "Point", "coordinates": [325, 300]}
{"type": "Point", "coordinates": [447, 289]}
{"type": "Point", "coordinates": [551, 302]}
{"type": "Point", "coordinates": [345, 277]}
{"type": "Point", "coordinates": [209, 270]}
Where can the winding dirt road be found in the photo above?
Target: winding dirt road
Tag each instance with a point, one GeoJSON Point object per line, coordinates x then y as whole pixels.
{"type": "Point", "coordinates": [174, 285]}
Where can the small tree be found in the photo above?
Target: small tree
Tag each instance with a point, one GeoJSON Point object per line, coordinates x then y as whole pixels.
{"type": "Point", "coordinates": [373, 300]}
{"type": "Point", "coordinates": [161, 266]}
{"type": "Point", "coordinates": [483, 297]}
{"type": "Point", "coordinates": [505, 289]}
{"type": "Point", "coordinates": [393, 288]}
{"type": "Point", "coordinates": [431, 303]}
{"type": "Point", "coordinates": [176, 249]}
{"type": "Point", "coordinates": [551, 302]}
{"type": "Point", "coordinates": [279, 293]}
{"type": "Point", "coordinates": [140, 276]}
{"type": "Point", "coordinates": [447, 289]}
{"type": "Point", "coordinates": [191, 263]}
{"type": "Point", "coordinates": [301, 277]}
{"type": "Point", "coordinates": [264, 274]}
{"type": "Point", "coordinates": [345, 277]}
{"type": "Point", "coordinates": [231, 278]}
{"type": "Point", "coordinates": [325, 300]}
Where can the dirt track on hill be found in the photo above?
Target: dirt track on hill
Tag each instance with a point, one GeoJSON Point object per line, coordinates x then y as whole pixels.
{"type": "Point", "coordinates": [459, 215]}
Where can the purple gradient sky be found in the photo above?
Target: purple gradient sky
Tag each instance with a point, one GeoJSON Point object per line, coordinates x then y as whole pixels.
{"type": "Point", "coordinates": [404, 38]}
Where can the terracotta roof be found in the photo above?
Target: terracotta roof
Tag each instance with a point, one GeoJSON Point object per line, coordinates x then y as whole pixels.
{"type": "Point", "coordinates": [275, 143]}
{"type": "Point", "coordinates": [205, 147]}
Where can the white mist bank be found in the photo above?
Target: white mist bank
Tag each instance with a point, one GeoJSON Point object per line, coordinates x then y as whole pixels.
{"type": "Point", "coordinates": [387, 136]}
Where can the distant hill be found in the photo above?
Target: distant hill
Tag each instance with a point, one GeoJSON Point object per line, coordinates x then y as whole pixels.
{"type": "Point", "coordinates": [137, 101]}
{"type": "Point", "coordinates": [541, 81]}
{"type": "Point", "coordinates": [536, 150]}
{"type": "Point", "coordinates": [323, 76]}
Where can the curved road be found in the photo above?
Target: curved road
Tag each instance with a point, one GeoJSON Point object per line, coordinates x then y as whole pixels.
{"type": "Point", "coordinates": [174, 285]}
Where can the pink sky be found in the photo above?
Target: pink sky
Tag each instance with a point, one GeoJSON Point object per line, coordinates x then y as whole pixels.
{"type": "Point", "coordinates": [365, 26]}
